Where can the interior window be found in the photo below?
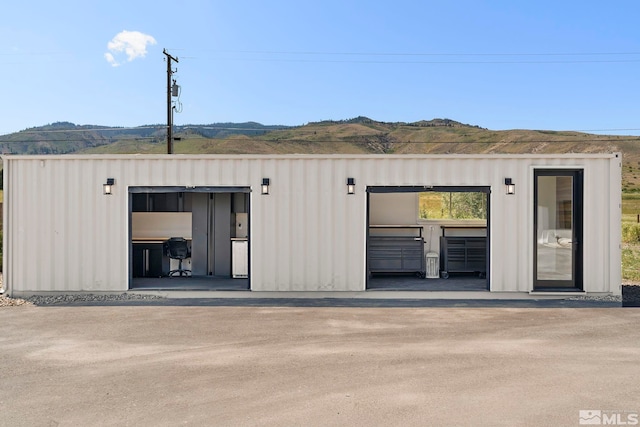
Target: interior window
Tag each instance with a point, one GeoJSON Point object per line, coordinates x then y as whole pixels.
{"type": "Point", "coordinates": [158, 202]}
{"type": "Point", "coordinates": [452, 205]}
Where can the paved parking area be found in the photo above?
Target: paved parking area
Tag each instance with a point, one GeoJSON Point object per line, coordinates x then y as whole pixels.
{"type": "Point", "coordinates": [270, 365]}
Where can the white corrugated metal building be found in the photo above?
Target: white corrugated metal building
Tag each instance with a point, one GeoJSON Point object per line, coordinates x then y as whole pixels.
{"type": "Point", "coordinates": [558, 232]}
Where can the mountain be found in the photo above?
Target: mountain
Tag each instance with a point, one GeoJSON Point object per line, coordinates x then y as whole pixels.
{"type": "Point", "coordinates": [66, 137]}
{"type": "Point", "coordinates": [357, 135]}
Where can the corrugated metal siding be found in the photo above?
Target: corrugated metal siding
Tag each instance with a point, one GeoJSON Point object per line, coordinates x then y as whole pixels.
{"type": "Point", "coordinates": [57, 224]}
{"type": "Point", "coordinates": [63, 234]}
{"type": "Point", "coordinates": [301, 234]}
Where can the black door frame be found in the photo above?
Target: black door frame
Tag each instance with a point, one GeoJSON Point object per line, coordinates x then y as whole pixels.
{"type": "Point", "coordinates": [424, 189]}
{"type": "Point", "coordinates": [185, 189]}
{"type": "Point", "coordinates": [577, 218]}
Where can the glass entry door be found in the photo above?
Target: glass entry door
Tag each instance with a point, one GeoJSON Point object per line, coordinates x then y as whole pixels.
{"type": "Point", "coordinates": [558, 229]}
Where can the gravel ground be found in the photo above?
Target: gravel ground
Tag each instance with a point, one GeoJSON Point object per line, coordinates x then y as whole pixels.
{"type": "Point", "coordinates": [66, 299]}
{"type": "Point", "coordinates": [5, 301]}
{"type": "Point", "coordinates": [630, 297]}
{"type": "Point", "coordinates": [608, 298]}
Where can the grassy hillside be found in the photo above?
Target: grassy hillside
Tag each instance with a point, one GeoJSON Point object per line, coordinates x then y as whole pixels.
{"type": "Point", "coordinates": [363, 135]}
{"type": "Point", "coordinates": [65, 137]}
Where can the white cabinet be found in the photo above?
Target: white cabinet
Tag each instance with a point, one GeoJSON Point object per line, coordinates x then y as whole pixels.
{"type": "Point", "coordinates": [239, 258]}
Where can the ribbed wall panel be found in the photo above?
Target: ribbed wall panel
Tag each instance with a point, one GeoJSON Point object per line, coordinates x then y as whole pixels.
{"type": "Point", "coordinates": [63, 234]}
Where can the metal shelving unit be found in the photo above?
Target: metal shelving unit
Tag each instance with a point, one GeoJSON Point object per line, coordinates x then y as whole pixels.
{"type": "Point", "coordinates": [399, 251]}
{"type": "Point", "coordinates": [463, 254]}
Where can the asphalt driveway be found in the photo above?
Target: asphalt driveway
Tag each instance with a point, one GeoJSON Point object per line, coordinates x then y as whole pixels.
{"type": "Point", "coordinates": [208, 365]}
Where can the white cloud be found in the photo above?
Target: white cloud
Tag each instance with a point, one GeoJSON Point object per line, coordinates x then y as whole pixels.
{"type": "Point", "coordinates": [133, 44]}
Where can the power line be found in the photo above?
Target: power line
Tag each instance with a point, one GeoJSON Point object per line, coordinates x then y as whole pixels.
{"type": "Point", "coordinates": [56, 53]}
{"type": "Point", "coordinates": [271, 128]}
{"type": "Point", "coordinates": [104, 129]}
{"type": "Point", "coordinates": [337, 53]}
{"type": "Point", "coordinates": [589, 57]}
{"type": "Point", "coordinates": [336, 61]}
{"type": "Point", "coordinates": [539, 141]}
{"type": "Point", "coordinates": [24, 141]}
{"type": "Point", "coordinates": [613, 139]}
{"type": "Point", "coordinates": [601, 130]}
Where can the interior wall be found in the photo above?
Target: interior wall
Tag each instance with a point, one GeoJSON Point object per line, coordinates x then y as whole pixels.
{"type": "Point", "coordinates": [211, 225]}
{"type": "Point", "coordinates": [199, 242]}
{"type": "Point", "coordinates": [546, 203]}
{"type": "Point", "coordinates": [222, 234]}
{"type": "Point", "coordinates": [393, 208]}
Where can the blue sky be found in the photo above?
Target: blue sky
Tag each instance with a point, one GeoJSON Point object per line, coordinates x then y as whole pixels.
{"type": "Point", "coordinates": [554, 65]}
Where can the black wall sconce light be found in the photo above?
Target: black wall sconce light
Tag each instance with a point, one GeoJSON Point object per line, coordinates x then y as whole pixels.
{"type": "Point", "coordinates": [351, 185]}
{"type": "Point", "coordinates": [107, 188]}
{"type": "Point", "coordinates": [509, 186]}
{"type": "Point", "coordinates": [265, 186]}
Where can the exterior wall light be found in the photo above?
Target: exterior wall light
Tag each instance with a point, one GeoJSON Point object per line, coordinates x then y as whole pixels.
{"type": "Point", "coordinates": [351, 185]}
{"type": "Point", "coordinates": [265, 186]}
{"type": "Point", "coordinates": [107, 188]}
{"type": "Point", "coordinates": [510, 186]}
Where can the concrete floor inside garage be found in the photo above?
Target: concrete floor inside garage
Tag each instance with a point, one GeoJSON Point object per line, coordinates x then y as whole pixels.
{"type": "Point", "coordinates": [191, 283]}
{"type": "Point", "coordinates": [455, 282]}
{"type": "Point", "coordinates": [461, 282]}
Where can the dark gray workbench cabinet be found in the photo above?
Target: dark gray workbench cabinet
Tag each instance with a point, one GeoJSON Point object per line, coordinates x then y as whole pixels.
{"type": "Point", "coordinates": [397, 253]}
{"type": "Point", "coordinates": [463, 255]}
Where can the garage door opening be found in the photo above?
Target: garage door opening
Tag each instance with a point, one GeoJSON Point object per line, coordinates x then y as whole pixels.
{"type": "Point", "coordinates": [424, 238]}
{"type": "Point", "coordinates": [214, 223]}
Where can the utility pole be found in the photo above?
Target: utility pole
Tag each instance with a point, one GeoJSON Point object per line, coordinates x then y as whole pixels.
{"type": "Point", "coordinates": [169, 106]}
